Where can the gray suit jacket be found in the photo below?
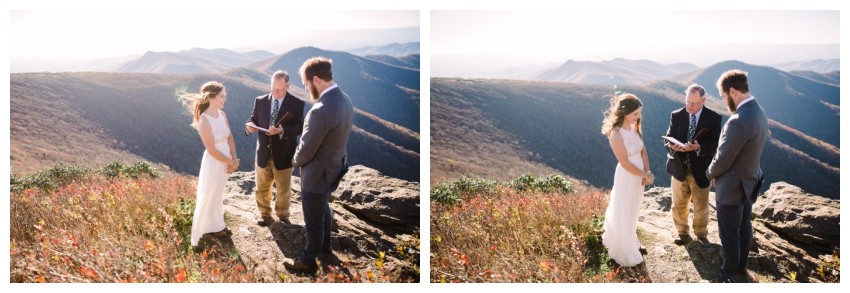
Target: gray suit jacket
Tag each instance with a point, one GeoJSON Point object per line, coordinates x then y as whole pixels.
{"type": "Point", "coordinates": [736, 166]}
{"type": "Point", "coordinates": [322, 152]}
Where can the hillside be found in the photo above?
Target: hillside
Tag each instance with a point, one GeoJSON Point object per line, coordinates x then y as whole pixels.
{"type": "Point", "coordinates": [498, 128]}
{"type": "Point", "coordinates": [196, 60]}
{"type": "Point", "coordinates": [613, 72]}
{"type": "Point", "coordinates": [100, 117]}
{"type": "Point", "coordinates": [381, 89]}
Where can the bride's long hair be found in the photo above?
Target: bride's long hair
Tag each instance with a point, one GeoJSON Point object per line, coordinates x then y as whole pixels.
{"type": "Point", "coordinates": [197, 103]}
{"type": "Point", "coordinates": [621, 106]}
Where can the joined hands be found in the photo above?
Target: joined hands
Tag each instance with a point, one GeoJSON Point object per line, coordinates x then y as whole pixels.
{"type": "Point", "coordinates": [647, 179]}
{"type": "Point", "coordinates": [232, 166]}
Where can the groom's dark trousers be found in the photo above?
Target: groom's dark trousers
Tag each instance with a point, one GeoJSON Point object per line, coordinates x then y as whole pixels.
{"type": "Point", "coordinates": [736, 169]}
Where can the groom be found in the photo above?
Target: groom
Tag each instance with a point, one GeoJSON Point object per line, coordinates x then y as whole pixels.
{"type": "Point", "coordinates": [276, 147]}
{"type": "Point", "coordinates": [736, 173]}
{"type": "Point", "coordinates": [322, 157]}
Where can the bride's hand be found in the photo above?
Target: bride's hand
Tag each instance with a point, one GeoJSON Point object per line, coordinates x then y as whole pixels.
{"type": "Point", "coordinates": [648, 177]}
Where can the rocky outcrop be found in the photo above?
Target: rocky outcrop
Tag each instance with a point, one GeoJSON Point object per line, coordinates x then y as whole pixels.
{"type": "Point", "coordinates": [373, 215]}
{"type": "Point", "coordinates": [795, 236]}
{"type": "Point", "coordinates": [380, 199]}
{"type": "Point", "coordinates": [800, 217]}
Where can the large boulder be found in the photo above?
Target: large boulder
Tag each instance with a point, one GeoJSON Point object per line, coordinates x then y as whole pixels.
{"type": "Point", "coordinates": [800, 216]}
{"type": "Point", "coordinates": [378, 198]}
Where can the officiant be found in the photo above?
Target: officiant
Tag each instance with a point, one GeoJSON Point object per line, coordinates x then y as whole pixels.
{"type": "Point", "coordinates": [698, 128]}
{"type": "Point", "coordinates": [278, 119]}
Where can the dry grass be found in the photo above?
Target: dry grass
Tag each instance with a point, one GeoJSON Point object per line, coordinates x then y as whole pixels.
{"type": "Point", "coordinates": [121, 230]}
{"type": "Point", "coordinates": [512, 236]}
{"type": "Point", "coordinates": [96, 229]}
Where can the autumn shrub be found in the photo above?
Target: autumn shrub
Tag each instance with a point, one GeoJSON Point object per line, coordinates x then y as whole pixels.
{"type": "Point", "coordinates": [511, 235]}
{"type": "Point", "coordinates": [125, 223]}
{"type": "Point", "coordinates": [81, 226]}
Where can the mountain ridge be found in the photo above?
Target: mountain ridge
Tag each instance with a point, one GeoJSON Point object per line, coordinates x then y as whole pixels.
{"type": "Point", "coordinates": [547, 123]}
{"type": "Point", "coordinates": [618, 71]}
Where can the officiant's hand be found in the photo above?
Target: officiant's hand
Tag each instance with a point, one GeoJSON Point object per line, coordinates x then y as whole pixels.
{"type": "Point", "coordinates": [275, 130]}
{"type": "Point", "coordinates": [691, 147]}
{"type": "Point", "coordinates": [250, 130]}
{"type": "Point", "coordinates": [675, 147]}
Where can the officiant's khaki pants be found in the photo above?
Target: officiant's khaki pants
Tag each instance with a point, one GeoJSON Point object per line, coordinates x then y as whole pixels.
{"type": "Point", "coordinates": [685, 192]}
{"type": "Point", "coordinates": [282, 180]}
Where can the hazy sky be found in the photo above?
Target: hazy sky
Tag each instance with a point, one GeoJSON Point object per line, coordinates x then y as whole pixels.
{"type": "Point", "coordinates": [80, 35]}
{"type": "Point", "coordinates": [556, 36]}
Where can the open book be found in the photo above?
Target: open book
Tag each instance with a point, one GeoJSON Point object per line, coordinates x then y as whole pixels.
{"type": "Point", "coordinates": [252, 125]}
{"type": "Point", "coordinates": [286, 119]}
{"type": "Point", "coordinates": [702, 133]}
{"type": "Point", "coordinates": [673, 140]}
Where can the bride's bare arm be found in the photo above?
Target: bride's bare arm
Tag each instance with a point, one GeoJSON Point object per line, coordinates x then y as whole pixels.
{"type": "Point", "coordinates": [205, 130]}
{"type": "Point", "coordinates": [618, 145]}
{"type": "Point", "coordinates": [234, 162]}
{"type": "Point", "coordinates": [645, 156]}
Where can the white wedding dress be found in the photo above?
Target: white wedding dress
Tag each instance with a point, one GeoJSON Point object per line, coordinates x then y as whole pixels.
{"type": "Point", "coordinates": [209, 208]}
{"type": "Point", "coordinates": [621, 217]}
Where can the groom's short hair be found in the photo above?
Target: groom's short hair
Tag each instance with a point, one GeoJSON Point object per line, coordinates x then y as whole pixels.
{"type": "Point", "coordinates": [317, 66]}
{"type": "Point", "coordinates": [695, 88]}
{"type": "Point", "coordinates": [280, 74]}
{"type": "Point", "coordinates": [734, 78]}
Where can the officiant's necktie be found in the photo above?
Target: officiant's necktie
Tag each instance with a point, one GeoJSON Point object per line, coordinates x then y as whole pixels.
{"type": "Point", "coordinates": [692, 128]}
{"type": "Point", "coordinates": [274, 114]}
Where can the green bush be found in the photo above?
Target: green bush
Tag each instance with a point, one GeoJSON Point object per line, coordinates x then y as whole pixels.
{"type": "Point", "coordinates": [551, 183]}
{"type": "Point", "coordinates": [61, 175]}
{"type": "Point", "coordinates": [451, 192]}
{"type": "Point", "coordinates": [139, 168]}
{"type": "Point", "coordinates": [112, 170]}
{"type": "Point", "coordinates": [135, 170]}
{"type": "Point", "coordinates": [181, 214]}
{"type": "Point", "coordinates": [52, 178]}
{"type": "Point", "coordinates": [596, 252]}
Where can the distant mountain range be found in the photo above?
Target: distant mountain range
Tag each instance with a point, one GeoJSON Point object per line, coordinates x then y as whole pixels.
{"type": "Point", "coordinates": [818, 65]}
{"type": "Point", "coordinates": [833, 77]}
{"type": "Point", "coordinates": [614, 72]}
{"type": "Point", "coordinates": [495, 128]}
{"type": "Point", "coordinates": [196, 60]}
{"type": "Point", "coordinates": [394, 49]}
{"type": "Point", "coordinates": [99, 117]}
{"type": "Point", "coordinates": [409, 61]}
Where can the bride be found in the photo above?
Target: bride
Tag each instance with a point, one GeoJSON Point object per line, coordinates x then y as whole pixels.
{"type": "Point", "coordinates": [623, 128]}
{"type": "Point", "coordinates": [218, 161]}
